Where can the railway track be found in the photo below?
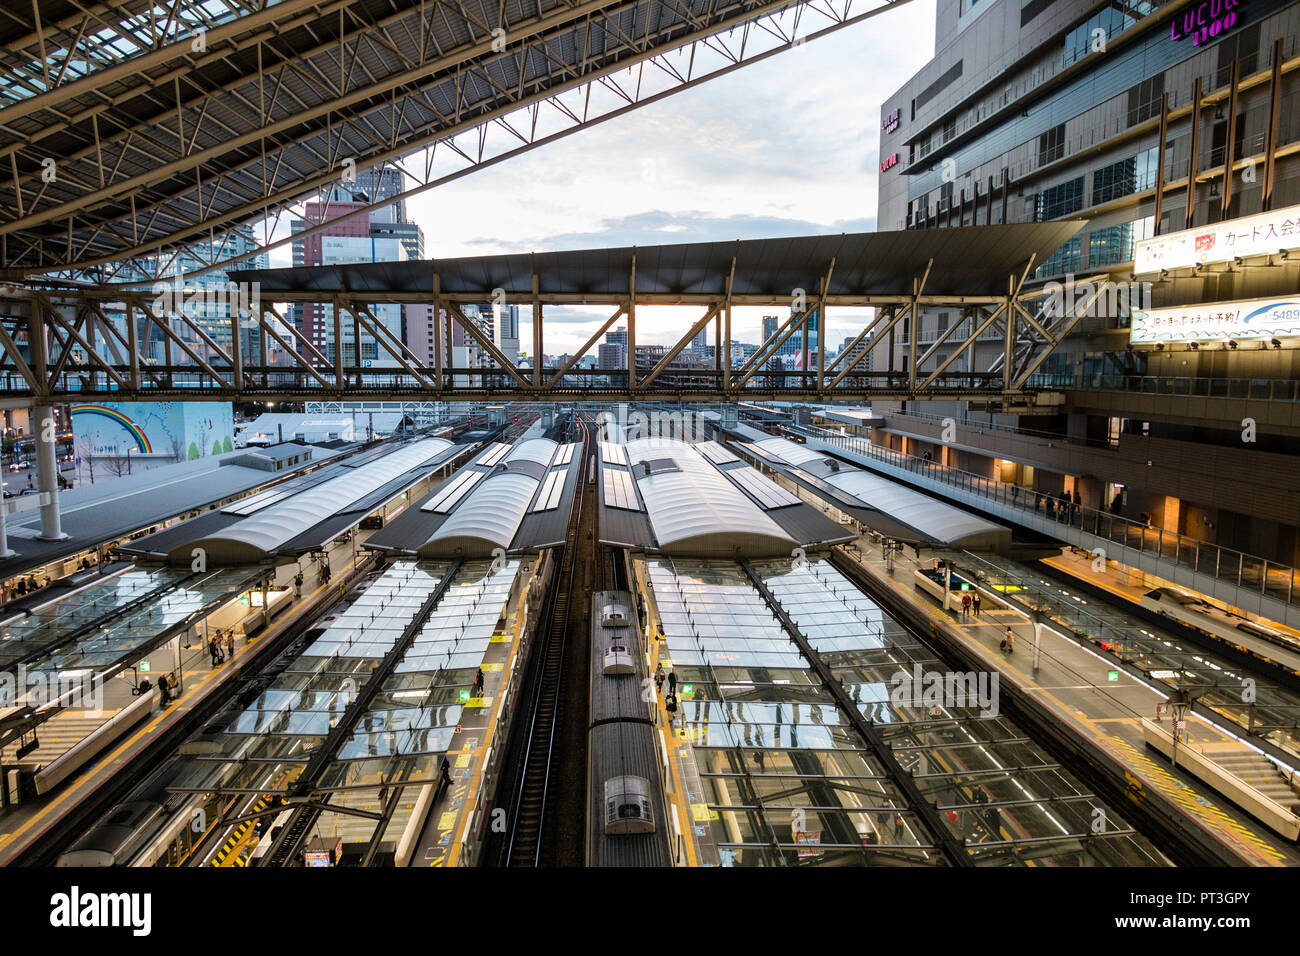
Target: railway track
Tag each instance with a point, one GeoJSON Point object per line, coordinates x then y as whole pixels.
{"type": "Point", "coordinates": [541, 804]}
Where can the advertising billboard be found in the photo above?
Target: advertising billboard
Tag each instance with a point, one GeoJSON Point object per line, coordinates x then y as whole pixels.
{"type": "Point", "coordinates": [1266, 233]}
{"type": "Point", "coordinates": [1256, 319]}
{"type": "Point", "coordinates": [151, 433]}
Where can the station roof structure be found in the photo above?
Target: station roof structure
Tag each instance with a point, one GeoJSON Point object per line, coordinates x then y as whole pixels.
{"type": "Point", "coordinates": [178, 127]}
{"type": "Point", "coordinates": [660, 494]}
{"type": "Point", "coordinates": [509, 497]}
{"type": "Point", "coordinates": [881, 503]}
{"type": "Point", "coordinates": [303, 514]}
{"type": "Point", "coordinates": [94, 513]}
{"type": "Point", "coordinates": [765, 270]}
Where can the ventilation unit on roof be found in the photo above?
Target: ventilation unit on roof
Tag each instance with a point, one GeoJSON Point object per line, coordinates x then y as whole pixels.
{"type": "Point", "coordinates": [618, 661]}
{"type": "Point", "coordinates": [613, 615]}
{"type": "Point", "coordinates": [627, 805]}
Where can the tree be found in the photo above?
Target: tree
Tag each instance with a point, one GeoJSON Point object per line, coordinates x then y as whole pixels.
{"type": "Point", "coordinates": [194, 451]}
{"type": "Point", "coordinates": [216, 447]}
{"type": "Point", "coordinates": [226, 446]}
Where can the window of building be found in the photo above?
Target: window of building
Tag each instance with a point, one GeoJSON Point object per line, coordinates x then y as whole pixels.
{"type": "Point", "coordinates": [1111, 20]}
{"type": "Point", "coordinates": [1144, 99]}
{"type": "Point", "coordinates": [1063, 260]}
{"type": "Point", "coordinates": [950, 76]}
{"type": "Point", "coordinates": [1126, 177]}
{"type": "Point", "coordinates": [949, 128]}
{"type": "Point", "coordinates": [1115, 243]}
{"type": "Point", "coordinates": [1032, 9]}
{"type": "Point", "coordinates": [1051, 145]}
{"type": "Point", "coordinates": [1060, 200]}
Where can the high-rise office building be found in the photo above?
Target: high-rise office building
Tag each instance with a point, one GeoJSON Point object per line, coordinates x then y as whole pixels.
{"type": "Point", "coordinates": [1143, 119]}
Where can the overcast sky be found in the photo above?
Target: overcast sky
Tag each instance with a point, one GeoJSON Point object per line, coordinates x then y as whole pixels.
{"type": "Point", "coordinates": [786, 146]}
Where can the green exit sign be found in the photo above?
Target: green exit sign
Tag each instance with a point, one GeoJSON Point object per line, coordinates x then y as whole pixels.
{"type": "Point", "coordinates": [464, 695]}
{"type": "Point", "coordinates": [1113, 676]}
{"type": "Point", "coordinates": [145, 665]}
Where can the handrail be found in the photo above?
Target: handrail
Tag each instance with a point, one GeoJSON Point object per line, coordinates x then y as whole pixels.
{"type": "Point", "coordinates": [1269, 578]}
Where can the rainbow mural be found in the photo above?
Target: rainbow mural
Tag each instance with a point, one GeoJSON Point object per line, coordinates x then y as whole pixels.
{"type": "Point", "coordinates": [141, 439]}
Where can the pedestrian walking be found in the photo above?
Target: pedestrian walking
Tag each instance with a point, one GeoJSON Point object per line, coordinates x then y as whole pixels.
{"type": "Point", "coordinates": [1009, 642]}
{"type": "Point", "coordinates": [659, 679]}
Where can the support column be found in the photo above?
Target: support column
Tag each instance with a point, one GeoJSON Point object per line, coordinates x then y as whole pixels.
{"type": "Point", "coordinates": [1158, 206]}
{"type": "Point", "coordinates": [1191, 156]}
{"type": "Point", "coordinates": [631, 328]}
{"type": "Point", "coordinates": [4, 535]}
{"type": "Point", "coordinates": [47, 473]}
{"type": "Point", "coordinates": [1230, 145]}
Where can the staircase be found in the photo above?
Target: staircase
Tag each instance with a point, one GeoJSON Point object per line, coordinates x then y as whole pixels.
{"type": "Point", "coordinates": [1261, 773]}
{"type": "Point", "coordinates": [57, 736]}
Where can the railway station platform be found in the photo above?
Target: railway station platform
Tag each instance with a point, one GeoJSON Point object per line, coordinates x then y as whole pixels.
{"type": "Point", "coordinates": [1101, 704]}
{"type": "Point", "coordinates": [24, 826]}
{"type": "Point", "coordinates": [464, 811]}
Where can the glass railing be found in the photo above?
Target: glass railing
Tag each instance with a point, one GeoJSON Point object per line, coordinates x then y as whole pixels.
{"type": "Point", "coordinates": [1245, 571]}
{"type": "Point", "coordinates": [965, 421]}
{"type": "Point", "coordinates": [1258, 389]}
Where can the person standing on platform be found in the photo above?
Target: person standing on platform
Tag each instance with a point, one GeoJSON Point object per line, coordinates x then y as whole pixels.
{"type": "Point", "coordinates": [975, 604]}
{"type": "Point", "coordinates": [478, 683]}
{"type": "Point", "coordinates": [965, 605]}
{"type": "Point", "coordinates": [672, 683]}
{"type": "Point", "coordinates": [659, 679]}
{"type": "Point", "coordinates": [230, 644]}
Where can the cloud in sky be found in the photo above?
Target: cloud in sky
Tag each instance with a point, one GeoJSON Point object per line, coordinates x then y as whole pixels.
{"type": "Point", "coordinates": [784, 146]}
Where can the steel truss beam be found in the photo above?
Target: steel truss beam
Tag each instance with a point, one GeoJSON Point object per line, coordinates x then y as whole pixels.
{"type": "Point", "coordinates": [102, 345]}
{"type": "Point", "coordinates": [266, 115]}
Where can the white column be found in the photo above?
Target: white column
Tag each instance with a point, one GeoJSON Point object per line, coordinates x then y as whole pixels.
{"type": "Point", "coordinates": [47, 472]}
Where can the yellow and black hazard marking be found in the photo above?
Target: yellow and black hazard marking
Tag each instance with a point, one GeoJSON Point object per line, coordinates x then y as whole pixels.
{"type": "Point", "coordinates": [232, 851]}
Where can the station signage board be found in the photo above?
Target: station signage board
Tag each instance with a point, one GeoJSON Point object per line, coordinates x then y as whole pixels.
{"type": "Point", "coordinates": [1254, 319]}
{"type": "Point", "coordinates": [1262, 234]}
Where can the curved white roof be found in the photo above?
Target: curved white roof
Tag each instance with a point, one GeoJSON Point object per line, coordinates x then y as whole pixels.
{"type": "Point", "coordinates": [488, 519]}
{"type": "Point", "coordinates": [933, 518]}
{"type": "Point", "coordinates": [540, 450]}
{"type": "Point", "coordinates": [696, 511]}
{"type": "Point", "coordinates": [256, 536]}
{"type": "Point", "coordinates": [790, 452]}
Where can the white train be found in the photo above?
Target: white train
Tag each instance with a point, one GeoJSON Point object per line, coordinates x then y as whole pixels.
{"type": "Point", "coordinates": [1194, 611]}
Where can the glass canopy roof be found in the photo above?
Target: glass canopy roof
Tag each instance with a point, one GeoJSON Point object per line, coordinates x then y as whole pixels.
{"type": "Point", "coordinates": [409, 723]}
{"type": "Point", "coordinates": [789, 781]}
{"type": "Point", "coordinates": [109, 632]}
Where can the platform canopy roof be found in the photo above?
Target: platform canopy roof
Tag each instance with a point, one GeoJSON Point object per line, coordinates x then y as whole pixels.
{"type": "Point", "coordinates": [969, 261]}
{"type": "Point", "coordinates": [881, 503]}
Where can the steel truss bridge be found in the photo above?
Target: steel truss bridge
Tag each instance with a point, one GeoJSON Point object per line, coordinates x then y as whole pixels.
{"type": "Point", "coordinates": [96, 344]}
